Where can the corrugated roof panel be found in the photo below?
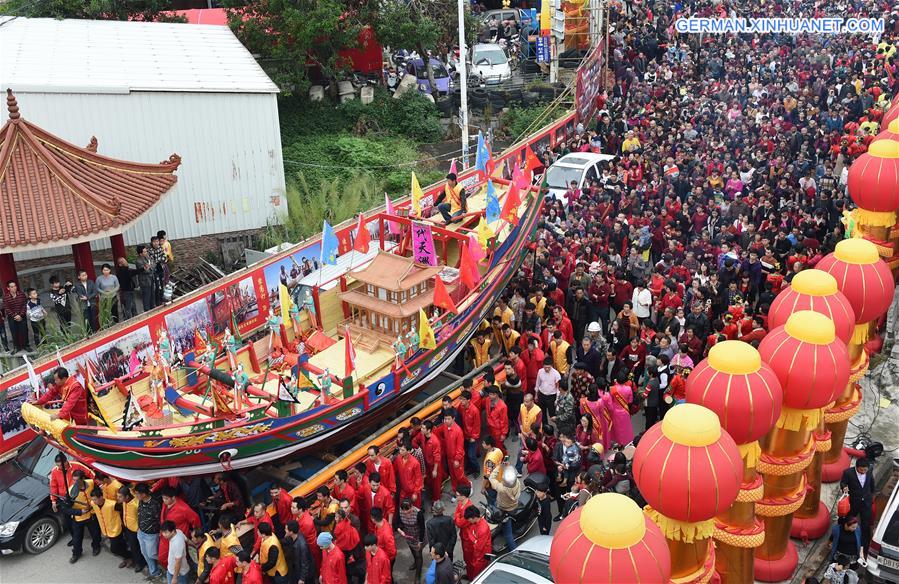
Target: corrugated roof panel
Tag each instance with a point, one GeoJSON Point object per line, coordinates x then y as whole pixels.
{"type": "Point", "coordinates": [103, 56]}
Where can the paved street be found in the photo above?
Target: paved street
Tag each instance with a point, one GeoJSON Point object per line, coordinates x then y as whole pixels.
{"type": "Point", "coordinates": [52, 567]}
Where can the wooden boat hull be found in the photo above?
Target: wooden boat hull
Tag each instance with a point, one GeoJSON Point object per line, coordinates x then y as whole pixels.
{"type": "Point", "coordinates": [148, 455]}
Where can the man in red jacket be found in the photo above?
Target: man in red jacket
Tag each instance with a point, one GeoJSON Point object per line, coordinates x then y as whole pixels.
{"type": "Point", "coordinates": [377, 564]}
{"type": "Point", "coordinates": [408, 474]}
{"type": "Point", "coordinates": [533, 361]}
{"type": "Point", "coordinates": [300, 511]}
{"type": "Point", "coordinates": [384, 534]}
{"type": "Point", "coordinates": [455, 448]}
{"type": "Point", "coordinates": [342, 489]}
{"type": "Point", "coordinates": [71, 393]}
{"type": "Point", "coordinates": [471, 430]}
{"type": "Point", "coordinates": [179, 513]}
{"type": "Point", "coordinates": [281, 503]}
{"type": "Point", "coordinates": [521, 369]}
{"type": "Point", "coordinates": [250, 568]}
{"type": "Point", "coordinates": [381, 464]}
{"type": "Point", "coordinates": [497, 418]}
{"type": "Point", "coordinates": [333, 569]}
{"type": "Point", "coordinates": [477, 543]}
{"type": "Point", "coordinates": [433, 453]}
{"type": "Point", "coordinates": [377, 497]}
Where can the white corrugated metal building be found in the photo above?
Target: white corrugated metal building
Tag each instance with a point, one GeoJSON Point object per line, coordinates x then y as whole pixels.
{"type": "Point", "coordinates": [147, 90]}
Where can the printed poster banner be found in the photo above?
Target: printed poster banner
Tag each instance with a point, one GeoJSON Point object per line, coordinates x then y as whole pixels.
{"type": "Point", "coordinates": [423, 244]}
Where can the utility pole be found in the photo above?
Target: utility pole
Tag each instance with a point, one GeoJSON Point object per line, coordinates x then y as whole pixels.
{"type": "Point", "coordinates": [463, 80]}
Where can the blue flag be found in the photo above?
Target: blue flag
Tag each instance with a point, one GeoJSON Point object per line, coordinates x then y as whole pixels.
{"type": "Point", "coordinates": [329, 245]}
{"type": "Point", "coordinates": [482, 155]}
{"type": "Point", "coordinates": [492, 203]}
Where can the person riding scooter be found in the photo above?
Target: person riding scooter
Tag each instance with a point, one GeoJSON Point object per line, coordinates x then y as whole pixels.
{"type": "Point", "coordinates": [507, 491]}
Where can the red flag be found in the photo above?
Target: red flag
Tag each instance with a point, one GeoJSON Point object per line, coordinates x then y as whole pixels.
{"type": "Point", "coordinates": [350, 360]}
{"type": "Point", "coordinates": [469, 269]}
{"type": "Point", "coordinates": [199, 343]}
{"type": "Point", "coordinates": [509, 212]}
{"type": "Point", "coordinates": [531, 162]}
{"type": "Point", "coordinates": [363, 237]}
{"type": "Point", "coordinates": [442, 297]}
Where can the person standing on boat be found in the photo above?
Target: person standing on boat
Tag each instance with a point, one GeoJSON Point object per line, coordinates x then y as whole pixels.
{"type": "Point", "coordinates": [451, 202]}
{"type": "Point", "coordinates": [71, 393]}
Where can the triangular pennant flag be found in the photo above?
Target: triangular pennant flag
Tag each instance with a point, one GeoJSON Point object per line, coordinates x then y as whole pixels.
{"type": "Point", "coordinates": [330, 245]}
{"type": "Point", "coordinates": [522, 179]}
{"type": "Point", "coordinates": [482, 161]}
{"type": "Point", "coordinates": [350, 356]}
{"type": "Point", "coordinates": [510, 205]}
{"type": "Point", "coordinates": [132, 415]}
{"type": "Point", "coordinates": [427, 340]}
{"type": "Point", "coordinates": [469, 269]}
{"type": "Point", "coordinates": [442, 299]}
{"type": "Point", "coordinates": [492, 203]}
{"type": "Point", "coordinates": [93, 408]}
{"type": "Point", "coordinates": [417, 196]}
{"type": "Point", "coordinates": [220, 401]}
{"type": "Point", "coordinates": [392, 226]}
{"type": "Point", "coordinates": [33, 379]}
{"type": "Point", "coordinates": [363, 237]}
{"type": "Point", "coordinates": [485, 233]}
{"type": "Point", "coordinates": [133, 362]}
{"type": "Point", "coordinates": [199, 343]}
{"type": "Point", "coordinates": [531, 162]}
{"type": "Point", "coordinates": [453, 167]}
{"type": "Point", "coordinates": [284, 300]}
{"type": "Point", "coordinates": [474, 246]}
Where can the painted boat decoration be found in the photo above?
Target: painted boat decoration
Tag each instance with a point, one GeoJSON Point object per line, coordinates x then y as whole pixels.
{"type": "Point", "coordinates": [346, 344]}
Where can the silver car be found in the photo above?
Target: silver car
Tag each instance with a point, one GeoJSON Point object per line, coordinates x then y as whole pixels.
{"type": "Point", "coordinates": [883, 550]}
{"type": "Point", "coordinates": [526, 564]}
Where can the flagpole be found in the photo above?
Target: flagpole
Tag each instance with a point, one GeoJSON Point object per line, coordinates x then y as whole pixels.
{"type": "Point", "coordinates": [463, 83]}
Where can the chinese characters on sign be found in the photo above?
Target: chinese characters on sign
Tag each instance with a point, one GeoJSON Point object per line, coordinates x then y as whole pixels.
{"type": "Point", "coordinates": [423, 244]}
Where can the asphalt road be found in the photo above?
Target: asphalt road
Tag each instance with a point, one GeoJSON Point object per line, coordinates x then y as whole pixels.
{"type": "Point", "coordinates": [53, 567]}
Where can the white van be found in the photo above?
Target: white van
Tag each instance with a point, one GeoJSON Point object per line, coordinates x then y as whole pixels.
{"type": "Point", "coordinates": [577, 166]}
{"type": "Point", "coordinates": [883, 550]}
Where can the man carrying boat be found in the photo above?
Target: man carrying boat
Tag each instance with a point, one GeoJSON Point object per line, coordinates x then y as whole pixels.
{"type": "Point", "coordinates": [451, 201]}
{"type": "Point", "coordinates": [71, 393]}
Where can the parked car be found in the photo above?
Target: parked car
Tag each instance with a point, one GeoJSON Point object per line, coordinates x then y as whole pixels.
{"type": "Point", "coordinates": [883, 550]}
{"type": "Point", "coordinates": [526, 564]}
{"type": "Point", "coordinates": [579, 167]}
{"type": "Point", "coordinates": [27, 521]}
{"type": "Point", "coordinates": [442, 78]}
{"type": "Point", "coordinates": [490, 63]}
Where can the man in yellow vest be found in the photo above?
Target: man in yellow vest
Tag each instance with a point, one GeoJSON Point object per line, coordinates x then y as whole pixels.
{"type": "Point", "coordinates": [509, 339]}
{"type": "Point", "coordinates": [127, 505]}
{"type": "Point", "coordinates": [530, 417]}
{"type": "Point", "coordinates": [202, 541]}
{"type": "Point", "coordinates": [109, 485]}
{"type": "Point", "coordinates": [504, 311]}
{"type": "Point", "coordinates": [111, 524]}
{"type": "Point", "coordinates": [539, 302]}
{"type": "Point", "coordinates": [560, 351]}
{"type": "Point", "coordinates": [78, 505]}
{"type": "Point", "coordinates": [480, 344]}
{"type": "Point", "coordinates": [451, 202]}
{"type": "Point", "coordinates": [271, 555]}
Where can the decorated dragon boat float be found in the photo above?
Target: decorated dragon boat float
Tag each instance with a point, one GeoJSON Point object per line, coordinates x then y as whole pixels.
{"type": "Point", "coordinates": [345, 345]}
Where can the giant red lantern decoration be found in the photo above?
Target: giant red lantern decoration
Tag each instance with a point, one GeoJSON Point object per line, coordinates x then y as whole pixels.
{"type": "Point", "coordinates": [874, 178]}
{"type": "Point", "coordinates": [607, 541]}
{"type": "Point", "coordinates": [814, 290]}
{"type": "Point", "coordinates": [862, 277]}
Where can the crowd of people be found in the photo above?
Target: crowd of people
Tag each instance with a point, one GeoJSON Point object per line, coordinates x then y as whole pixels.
{"type": "Point", "coordinates": [94, 304]}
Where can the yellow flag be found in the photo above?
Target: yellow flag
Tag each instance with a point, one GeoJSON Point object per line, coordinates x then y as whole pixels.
{"type": "Point", "coordinates": [284, 299]}
{"type": "Point", "coordinates": [485, 234]}
{"type": "Point", "coordinates": [417, 195]}
{"type": "Point", "coordinates": [426, 339]}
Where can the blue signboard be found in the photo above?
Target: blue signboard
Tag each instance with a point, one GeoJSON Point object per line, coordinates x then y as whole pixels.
{"type": "Point", "coordinates": [543, 49]}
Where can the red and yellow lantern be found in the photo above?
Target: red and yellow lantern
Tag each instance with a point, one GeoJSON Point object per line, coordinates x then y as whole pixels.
{"type": "Point", "coordinates": [607, 541]}
{"type": "Point", "coordinates": [811, 364]}
{"type": "Point", "coordinates": [746, 396]}
{"type": "Point", "coordinates": [689, 470]}
{"type": "Point", "coordinates": [867, 283]}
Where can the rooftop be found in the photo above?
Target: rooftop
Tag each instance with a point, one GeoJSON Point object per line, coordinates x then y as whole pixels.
{"type": "Point", "coordinates": [106, 56]}
{"type": "Point", "coordinates": [56, 193]}
{"type": "Point", "coordinates": [393, 272]}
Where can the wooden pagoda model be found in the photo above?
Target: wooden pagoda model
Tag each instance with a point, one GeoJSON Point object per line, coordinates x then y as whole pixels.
{"type": "Point", "coordinates": [387, 296]}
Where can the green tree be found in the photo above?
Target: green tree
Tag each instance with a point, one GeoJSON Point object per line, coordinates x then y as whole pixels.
{"type": "Point", "coordinates": [423, 25]}
{"type": "Point", "coordinates": [289, 36]}
{"type": "Point", "coordinates": [93, 9]}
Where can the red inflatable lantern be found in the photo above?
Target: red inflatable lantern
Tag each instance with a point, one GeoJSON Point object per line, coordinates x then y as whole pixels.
{"type": "Point", "coordinates": [891, 114]}
{"type": "Point", "coordinates": [890, 131]}
{"type": "Point", "coordinates": [874, 177]}
{"type": "Point", "coordinates": [607, 541]}
{"type": "Point", "coordinates": [862, 277]}
{"type": "Point", "coordinates": [811, 363]}
{"type": "Point", "coordinates": [814, 290]}
{"type": "Point", "coordinates": [743, 391]}
{"type": "Point", "coordinates": [686, 466]}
